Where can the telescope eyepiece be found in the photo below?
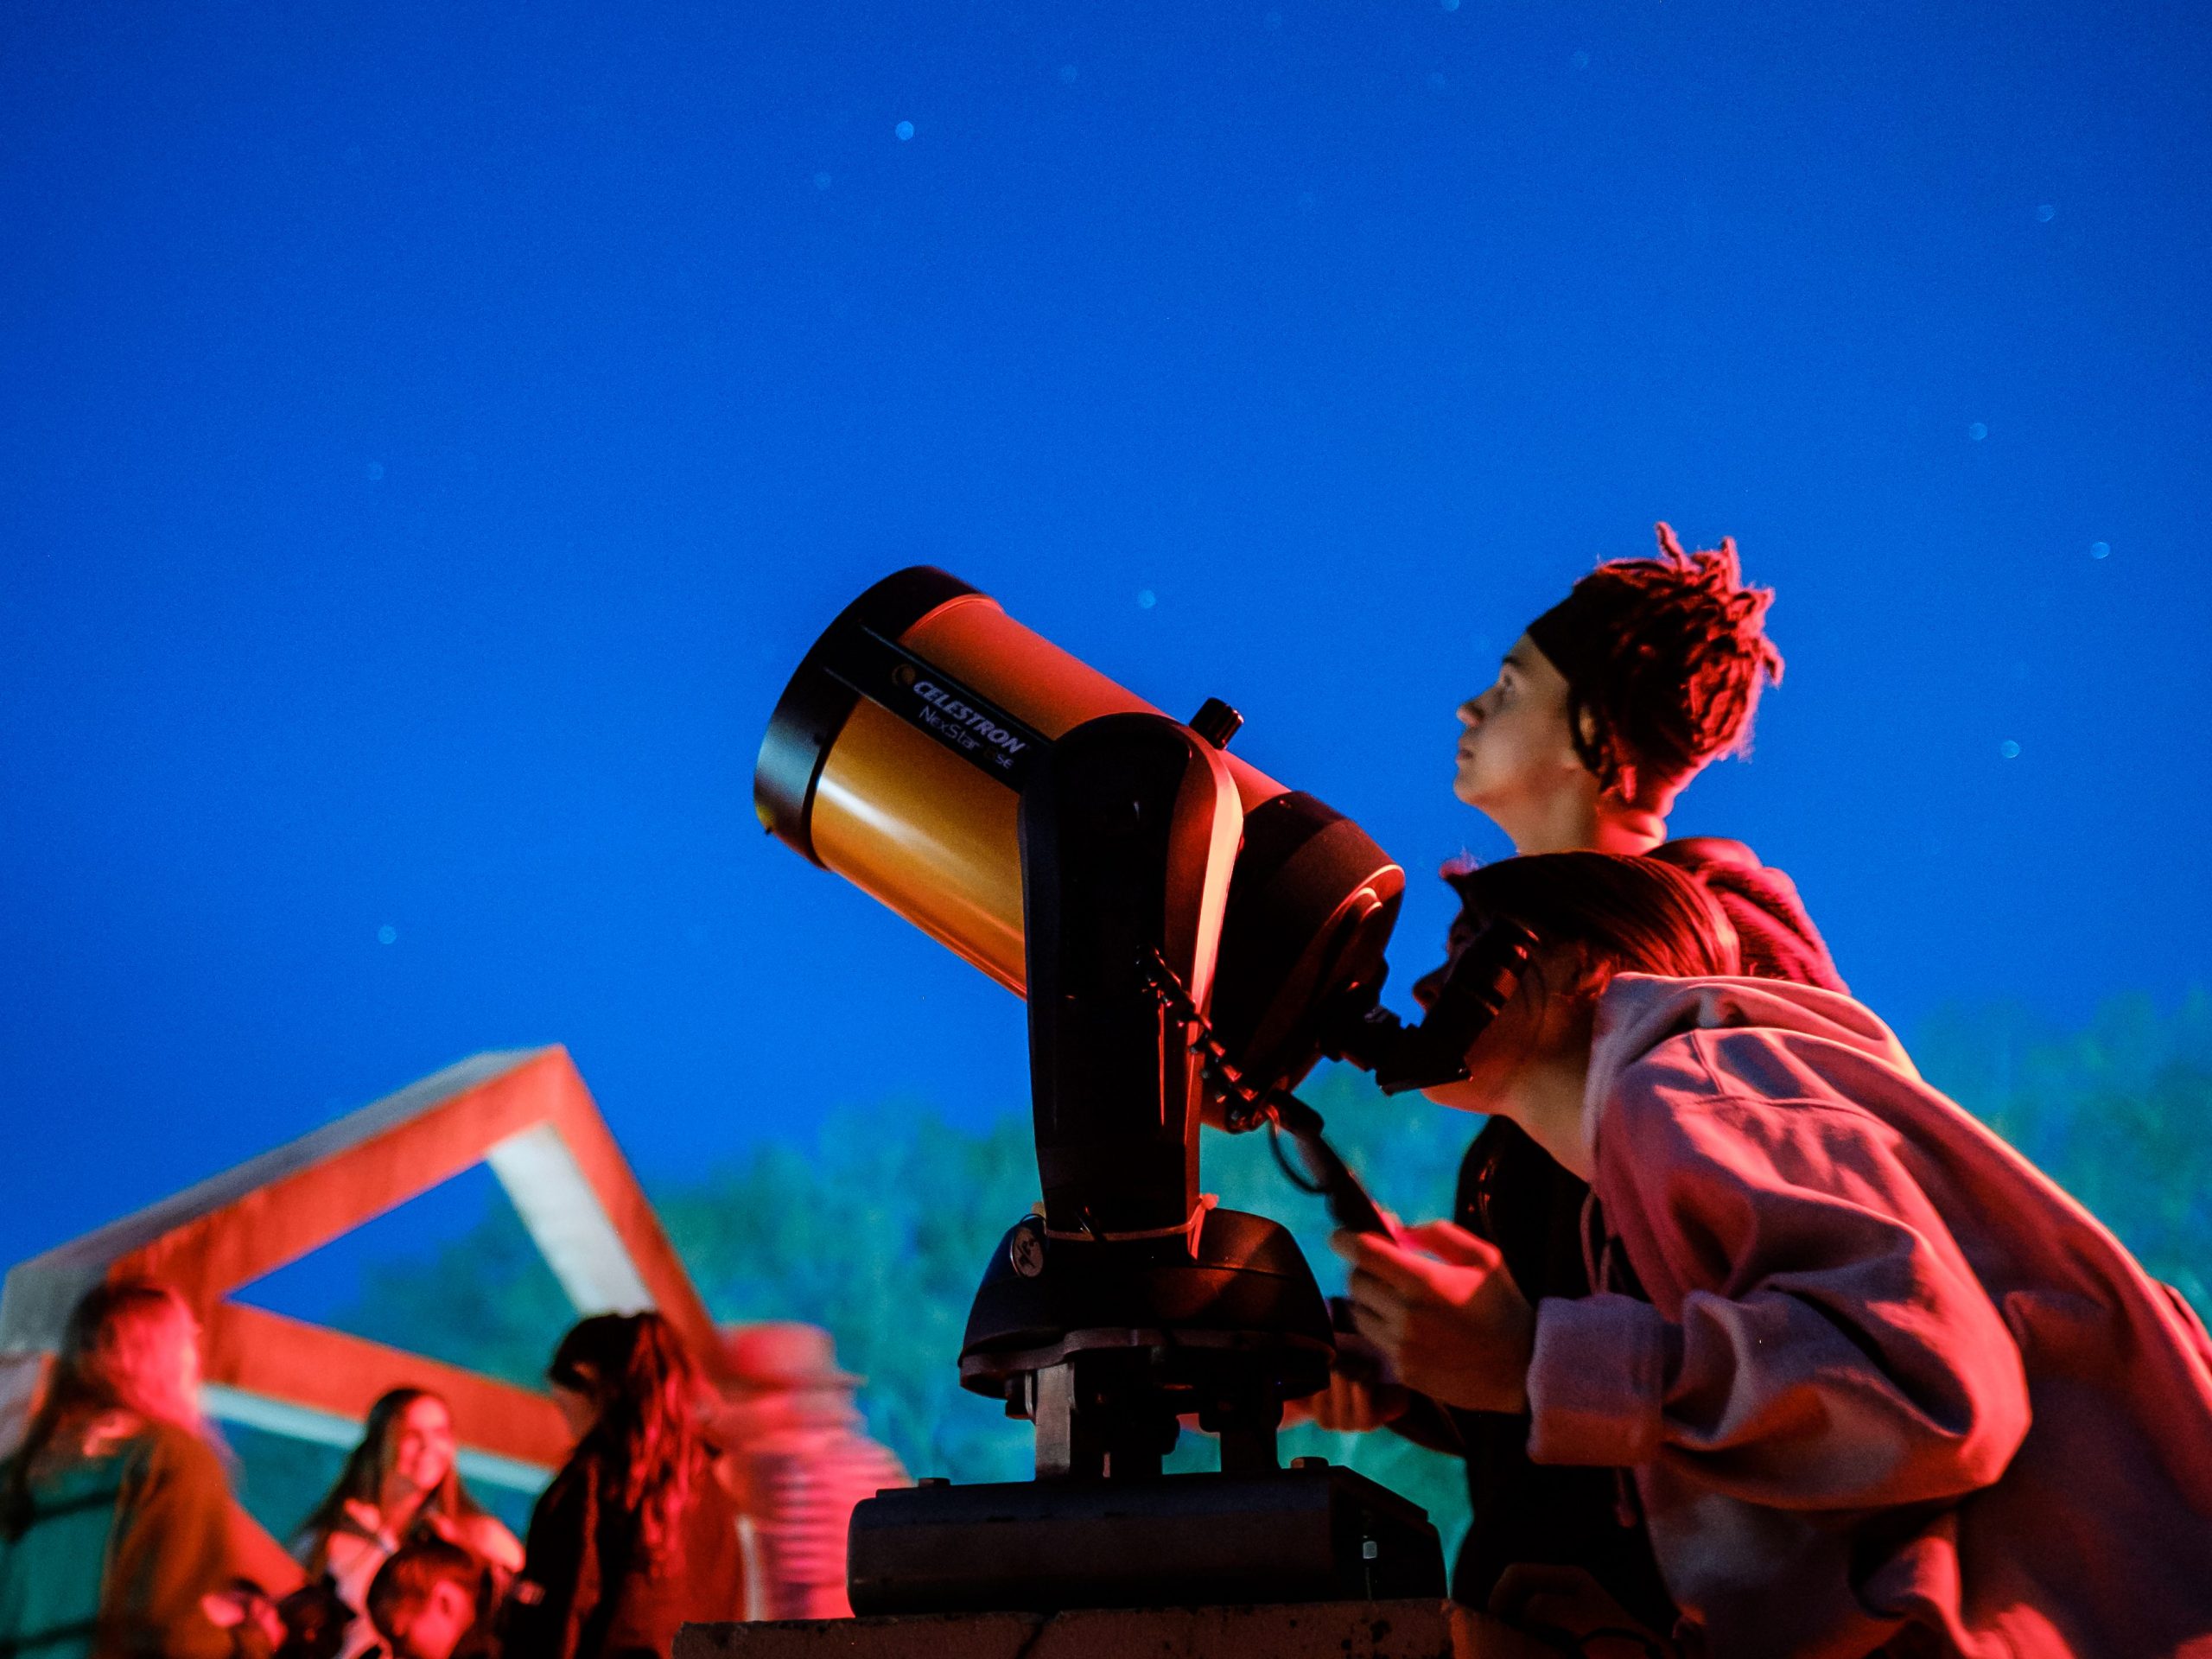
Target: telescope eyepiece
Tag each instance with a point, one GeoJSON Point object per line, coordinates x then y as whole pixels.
{"type": "Point", "coordinates": [1434, 1053]}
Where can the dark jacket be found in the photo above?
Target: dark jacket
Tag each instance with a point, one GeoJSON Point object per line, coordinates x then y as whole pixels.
{"type": "Point", "coordinates": [586, 1590]}
{"type": "Point", "coordinates": [1514, 1193]}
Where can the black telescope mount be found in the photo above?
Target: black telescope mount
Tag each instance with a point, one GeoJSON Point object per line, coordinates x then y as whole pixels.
{"type": "Point", "coordinates": [1130, 1304]}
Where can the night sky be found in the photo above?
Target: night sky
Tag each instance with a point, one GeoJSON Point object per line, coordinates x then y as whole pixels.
{"type": "Point", "coordinates": [431, 433]}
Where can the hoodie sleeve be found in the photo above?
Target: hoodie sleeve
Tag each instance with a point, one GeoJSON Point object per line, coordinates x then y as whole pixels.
{"type": "Point", "coordinates": [1831, 1349]}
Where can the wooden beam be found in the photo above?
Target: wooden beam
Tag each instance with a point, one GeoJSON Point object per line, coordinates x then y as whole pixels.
{"type": "Point", "coordinates": [650, 1254]}
{"type": "Point", "coordinates": [233, 1228]}
{"type": "Point", "coordinates": [266, 1354]}
{"type": "Point", "coordinates": [525, 1111]}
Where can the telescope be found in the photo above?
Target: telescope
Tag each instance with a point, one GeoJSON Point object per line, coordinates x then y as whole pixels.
{"type": "Point", "coordinates": [1191, 937]}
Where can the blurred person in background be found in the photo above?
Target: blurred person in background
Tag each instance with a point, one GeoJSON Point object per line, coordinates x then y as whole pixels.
{"type": "Point", "coordinates": [634, 1538]}
{"type": "Point", "coordinates": [796, 1459]}
{"type": "Point", "coordinates": [117, 1531]}
{"type": "Point", "coordinates": [398, 1483]}
{"type": "Point", "coordinates": [428, 1601]}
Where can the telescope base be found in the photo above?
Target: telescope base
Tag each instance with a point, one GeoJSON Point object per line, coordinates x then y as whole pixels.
{"type": "Point", "coordinates": [1304, 1535]}
{"type": "Point", "coordinates": [1327, 1630]}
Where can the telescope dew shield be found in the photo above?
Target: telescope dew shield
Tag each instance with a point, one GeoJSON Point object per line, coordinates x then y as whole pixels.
{"type": "Point", "coordinates": [873, 773]}
{"type": "Point", "coordinates": [896, 757]}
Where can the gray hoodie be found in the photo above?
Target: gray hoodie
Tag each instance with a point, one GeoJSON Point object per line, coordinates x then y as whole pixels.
{"type": "Point", "coordinates": [1892, 1389]}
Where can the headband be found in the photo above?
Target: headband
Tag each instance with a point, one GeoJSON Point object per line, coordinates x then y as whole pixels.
{"type": "Point", "coordinates": [1576, 634]}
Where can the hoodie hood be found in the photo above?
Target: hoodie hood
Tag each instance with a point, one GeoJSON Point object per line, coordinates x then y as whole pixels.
{"type": "Point", "coordinates": [1638, 1011]}
{"type": "Point", "coordinates": [1776, 935]}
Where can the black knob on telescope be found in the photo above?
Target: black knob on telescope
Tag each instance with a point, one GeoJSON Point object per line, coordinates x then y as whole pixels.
{"type": "Point", "coordinates": [1217, 722]}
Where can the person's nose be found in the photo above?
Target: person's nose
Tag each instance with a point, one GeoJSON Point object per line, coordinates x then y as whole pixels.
{"type": "Point", "coordinates": [1471, 712]}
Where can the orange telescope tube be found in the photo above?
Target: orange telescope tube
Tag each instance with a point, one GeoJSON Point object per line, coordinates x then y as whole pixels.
{"type": "Point", "coordinates": [894, 759]}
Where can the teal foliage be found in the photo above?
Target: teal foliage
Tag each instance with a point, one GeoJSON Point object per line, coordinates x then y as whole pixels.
{"type": "Point", "coordinates": [485, 1300]}
{"type": "Point", "coordinates": [2119, 1114]}
{"type": "Point", "coordinates": [880, 1232]}
{"type": "Point", "coordinates": [278, 1479]}
{"type": "Point", "coordinates": [879, 1225]}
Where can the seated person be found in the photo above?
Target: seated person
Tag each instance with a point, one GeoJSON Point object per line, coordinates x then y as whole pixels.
{"type": "Point", "coordinates": [399, 1483]}
{"type": "Point", "coordinates": [1872, 1382]}
{"type": "Point", "coordinates": [425, 1600]}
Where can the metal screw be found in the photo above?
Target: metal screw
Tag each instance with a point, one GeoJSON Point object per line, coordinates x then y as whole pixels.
{"type": "Point", "coordinates": [1309, 1463]}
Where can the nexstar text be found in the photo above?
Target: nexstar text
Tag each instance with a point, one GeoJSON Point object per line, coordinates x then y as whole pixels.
{"type": "Point", "coordinates": [974, 720]}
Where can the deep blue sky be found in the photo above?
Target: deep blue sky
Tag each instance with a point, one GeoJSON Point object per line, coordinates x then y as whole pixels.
{"type": "Point", "coordinates": [430, 435]}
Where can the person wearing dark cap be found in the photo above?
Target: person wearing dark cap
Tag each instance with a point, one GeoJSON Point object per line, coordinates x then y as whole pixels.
{"type": "Point", "coordinates": [1605, 709]}
{"type": "Point", "coordinates": [1601, 713]}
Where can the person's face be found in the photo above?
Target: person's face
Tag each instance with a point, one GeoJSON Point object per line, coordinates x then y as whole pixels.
{"type": "Point", "coordinates": [433, 1627]}
{"type": "Point", "coordinates": [579, 1405]}
{"type": "Point", "coordinates": [187, 1358]}
{"type": "Point", "coordinates": [1516, 747]}
{"type": "Point", "coordinates": [1507, 1045]}
{"type": "Point", "coordinates": [421, 1445]}
{"type": "Point", "coordinates": [1540, 1024]}
{"type": "Point", "coordinates": [164, 1356]}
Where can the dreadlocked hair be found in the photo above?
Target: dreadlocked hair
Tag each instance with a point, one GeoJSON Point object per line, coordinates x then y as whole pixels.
{"type": "Point", "coordinates": [645, 1437]}
{"type": "Point", "coordinates": [1674, 683]}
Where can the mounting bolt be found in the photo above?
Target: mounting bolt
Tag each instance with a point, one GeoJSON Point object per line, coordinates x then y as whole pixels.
{"type": "Point", "coordinates": [1217, 722]}
{"type": "Point", "coordinates": [1309, 1463]}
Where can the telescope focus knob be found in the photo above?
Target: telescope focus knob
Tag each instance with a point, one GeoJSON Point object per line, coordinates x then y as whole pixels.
{"type": "Point", "coordinates": [1217, 722]}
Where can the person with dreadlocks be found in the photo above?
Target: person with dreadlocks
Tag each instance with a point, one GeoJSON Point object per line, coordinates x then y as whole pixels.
{"type": "Point", "coordinates": [1601, 713]}
{"type": "Point", "coordinates": [1607, 707]}
{"type": "Point", "coordinates": [634, 1538]}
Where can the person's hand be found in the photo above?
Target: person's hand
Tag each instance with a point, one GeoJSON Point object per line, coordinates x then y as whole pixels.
{"type": "Point", "coordinates": [1446, 1315]}
{"type": "Point", "coordinates": [1567, 1603]}
{"type": "Point", "coordinates": [248, 1614]}
{"type": "Point", "coordinates": [1364, 1392]}
{"type": "Point", "coordinates": [1351, 1407]}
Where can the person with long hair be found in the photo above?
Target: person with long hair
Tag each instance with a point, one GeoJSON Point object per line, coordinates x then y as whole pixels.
{"type": "Point", "coordinates": [117, 1529]}
{"type": "Point", "coordinates": [634, 1538]}
{"type": "Point", "coordinates": [1872, 1382]}
{"type": "Point", "coordinates": [400, 1481]}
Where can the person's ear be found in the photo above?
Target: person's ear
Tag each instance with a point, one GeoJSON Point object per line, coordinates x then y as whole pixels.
{"type": "Point", "coordinates": [1594, 742]}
